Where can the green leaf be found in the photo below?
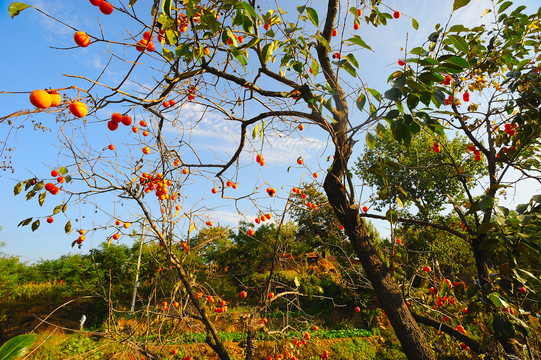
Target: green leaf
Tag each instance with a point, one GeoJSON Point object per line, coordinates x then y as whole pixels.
{"type": "Point", "coordinates": [30, 195]}
{"type": "Point", "coordinates": [458, 28]}
{"type": "Point", "coordinates": [297, 282]}
{"type": "Point", "coordinates": [166, 7]}
{"type": "Point", "coordinates": [504, 6]}
{"type": "Point", "coordinates": [497, 300]}
{"type": "Point", "coordinates": [351, 58]}
{"type": "Point", "coordinates": [167, 22]}
{"type": "Point", "coordinates": [399, 106]}
{"type": "Point", "coordinates": [414, 23]}
{"type": "Point", "coordinates": [401, 132]}
{"type": "Point", "coordinates": [361, 100]}
{"type": "Point", "coordinates": [347, 66]}
{"type": "Point", "coordinates": [323, 42]}
{"type": "Point", "coordinates": [16, 8]}
{"type": "Point", "coordinates": [35, 225]}
{"type": "Point", "coordinates": [63, 170]}
{"type": "Point", "coordinates": [460, 3]}
{"type": "Point", "coordinates": [412, 101]}
{"type": "Point", "coordinates": [239, 55]}
{"type": "Point", "coordinates": [370, 141]}
{"type": "Point", "coordinates": [381, 130]}
{"type": "Point", "coordinates": [373, 109]}
{"type": "Point", "coordinates": [41, 198]}
{"type": "Point", "coordinates": [57, 209]}
{"type": "Point", "coordinates": [393, 94]}
{"type": "Point", "coordinates": [486, 227]}
{"type": "Point", "coordinates": [374, 93]}
{"type": "Point", "coordinates": [183, 50]}
{"type": "Point", "coordinates": [255, 131]}
{"type": "Point", "coordinates": [17, 189]}
{"type": "Point", "coordinates": [16, 347]}
{"type": "Point", "coordinates": [430, 77]}
{"type": "Point", "coordinates": [357, 40]}
{"type": "Point", "coordinates": [425, 97]}
{"type": "Point", "coordinates": [249, 9]}
{"type": "Point", "coordinates": [418, 51]}
{"type": "Point", "coordinates": [312, 15]}
{"type": "Point", "coordinates": [254, 41]}
{"type": "Point", "coordinates": [315, 67]}
{"type": "Point", "coordinates": [168, 54]}
{"type": "Point", "coordinates": [267, 51]}
{"type": "Point", "coordinates": [67, 227]}
{"type": "Point", "coordinates": [459, 43]}
{"type": "Point", "coordinates": [25, 222]}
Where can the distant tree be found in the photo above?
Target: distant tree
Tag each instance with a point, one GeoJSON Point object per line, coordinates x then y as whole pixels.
{"type": "Point", "coordinates": [416, 175]}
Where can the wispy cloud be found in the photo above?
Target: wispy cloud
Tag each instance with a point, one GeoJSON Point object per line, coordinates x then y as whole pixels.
{"type": "Point", "coordinates": [212, 131]}
{"type": "Point", "coordinates": [67, 12]}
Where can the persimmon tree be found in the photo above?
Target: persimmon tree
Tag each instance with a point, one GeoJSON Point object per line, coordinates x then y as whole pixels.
{"type": "Point", "coordinates": [483, 84]}
{"type": "Point", "coordinates": [264, 73]}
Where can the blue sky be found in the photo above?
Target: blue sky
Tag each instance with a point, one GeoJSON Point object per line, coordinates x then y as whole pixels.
{"type": "Point", "coordinates": [32, 63]}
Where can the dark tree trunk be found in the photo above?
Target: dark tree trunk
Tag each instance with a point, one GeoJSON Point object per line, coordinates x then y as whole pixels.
{"type": "Point", "coordinates": [406, 328]}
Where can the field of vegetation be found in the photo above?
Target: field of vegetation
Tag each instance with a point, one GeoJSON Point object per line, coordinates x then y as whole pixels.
{"type": "Point", "coordinates": [48, 299]}
{"type": "Point", "coordinates": [187, 115]}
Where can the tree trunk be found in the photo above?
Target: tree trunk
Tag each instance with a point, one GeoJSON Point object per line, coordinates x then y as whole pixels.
{"type": "Point", "coordinates": [406, 328]}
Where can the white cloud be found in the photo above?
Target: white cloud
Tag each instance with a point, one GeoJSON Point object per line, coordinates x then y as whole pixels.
{"type": "Point", "coordinates": [210, 130]}
{"type": "Point", "coordinates": [66, 11]}
{"type": "Point", "coordinates": [227, 217]}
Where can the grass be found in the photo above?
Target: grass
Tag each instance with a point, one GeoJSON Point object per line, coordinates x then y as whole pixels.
{"type": "Point", "coordinates": [346, 345]}
{"type": "Point", "coordinates": [43, 291]}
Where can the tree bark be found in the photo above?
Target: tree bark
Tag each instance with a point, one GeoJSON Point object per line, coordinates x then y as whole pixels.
{"type": "Point", "coordinates": [406, 328]}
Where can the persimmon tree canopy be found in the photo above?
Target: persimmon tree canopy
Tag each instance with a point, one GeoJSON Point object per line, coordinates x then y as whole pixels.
{"type": "Point", "coordinates": [258, 73]}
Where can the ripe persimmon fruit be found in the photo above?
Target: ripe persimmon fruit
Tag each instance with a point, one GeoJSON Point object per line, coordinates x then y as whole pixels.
{"type": "Point", "coordinates": [55, 97]}
{"type": "Point", "coordinates": [116, 117]}
{"type": "Point", "coordinates": [141, 45]}
{"type": "Point", "coordinates": [78, 109]}
{"type": "Point", "coordinates": [111, 125]}
{"type": "Point", "coordinates": [106, 8]}
{"type": "Point", "coordinates": [126, 120]}
{"type": "Point", "coordinates": [81, 39]}
{"type": "Point", "coordinates": [41, 99]}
